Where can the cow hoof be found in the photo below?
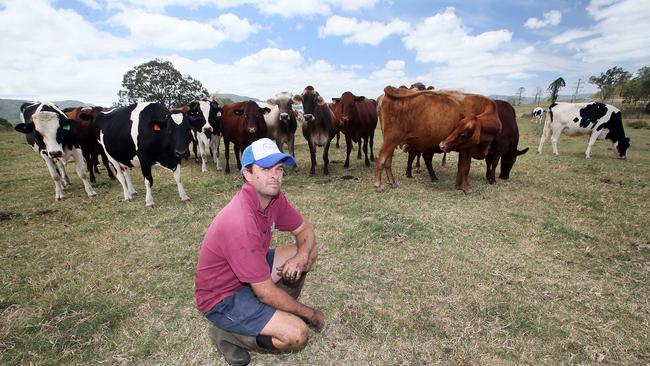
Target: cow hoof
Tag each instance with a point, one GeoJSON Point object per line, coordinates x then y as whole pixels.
{"type": "Point", "coordinates": [92, 194]}
{"type": "Point", "coordinates": [185, 199]}
{"type": "Point", "coordinates": [150, 205]}
{"type": "Point", "coordinates": [379, 189]}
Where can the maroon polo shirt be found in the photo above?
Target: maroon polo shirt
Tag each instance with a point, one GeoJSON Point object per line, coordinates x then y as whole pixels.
{"type": "Point", "coordinates": [234, 248]}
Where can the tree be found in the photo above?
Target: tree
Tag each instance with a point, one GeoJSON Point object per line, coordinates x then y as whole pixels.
{"type": "Point", "coordinates": [159, 81]}
{"type": "Point", "coordinates": [610, 80]}
{"type": "Point", "coordinates": [5, 125]}
{"type": "Point", "coordinates": [638, 88]}
{"type": "Point", "coordinates": [538, 94]}
{"type": "Point", "coordinates": [554, 88]}
{"type": "Point", "coordinates": [520, 91]}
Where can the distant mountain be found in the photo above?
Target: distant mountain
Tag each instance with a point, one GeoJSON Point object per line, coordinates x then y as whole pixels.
{"type": "Point", "coordinates": [531, 100]}
{"type": "Point", "coordinates": [237, 98]}
{"type": "Point", "coordinates": [10, 108]}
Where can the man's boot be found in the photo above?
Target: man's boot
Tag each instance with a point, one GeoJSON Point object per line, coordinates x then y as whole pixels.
{"type": "Point", "coordinates": [229, 346]}
{"type": "Point", "coordinates": [293, 289]}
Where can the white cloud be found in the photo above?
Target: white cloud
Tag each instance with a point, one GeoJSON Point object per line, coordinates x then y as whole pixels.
{"type": "Point", "coordinates": [235, 28]}
{"type": "Point", "coordinates": [93, 4]}
{"type": "Point", "coordinates": [361, 32]}
{"type": "Point", "coordinates": [443, 38]}
{"type": "Point", "coordinates": [571, 35]}
{"type": "Point", "coordinates": [551, 18]}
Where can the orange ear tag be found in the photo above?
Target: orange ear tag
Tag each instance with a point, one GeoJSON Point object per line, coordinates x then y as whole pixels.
{"type": "Point", "coordinates": [156, 127]}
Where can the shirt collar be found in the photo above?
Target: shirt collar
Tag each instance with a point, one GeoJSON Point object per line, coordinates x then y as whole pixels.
{"type": "Point", "coordinates": [250, 196]}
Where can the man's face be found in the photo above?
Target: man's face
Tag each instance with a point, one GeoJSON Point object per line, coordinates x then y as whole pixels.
{"type": "Point", "coordinates": [267, 181]}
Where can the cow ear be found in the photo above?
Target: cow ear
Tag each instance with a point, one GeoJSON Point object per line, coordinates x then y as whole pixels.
{"type": "Point", "coordinates": [271, 101]}
{"type": "Point", "coordinates": [358, 99]}
{"type": "Point", "coordinates": [238, 112]}
{"type": "Point", "coordinates": [336, 100]}
{"type": "Point", "coordinates": [296, 99]}
{"type": "Point", "coordinates": [25, 127]}
{"type": "Point", "coordinates": [320, 100]}
{"type": "Point", "coordinates": [265, 110]}
{"type": "Point", "coordinates": [214, 104]}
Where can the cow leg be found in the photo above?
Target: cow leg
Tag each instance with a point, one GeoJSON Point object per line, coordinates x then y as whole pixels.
{"type": "Point", "coordinates": [312, 155]}
{"type": "Point", "coordinates": [365, 150]}
{"type": "Point", "coordinates": [382, 163]}
{"type": "Point", "coordinates": [359, 150]}
{"type": "Point", "coordinates": [65, 179]}
{"type": "Point", "coordinates": [464, 163]}
{"type": "Point", "coordinates": [203, 146]}
{"type": "Point", "coordinates": [105, 161]}
{"type": "Point", "coordinates": [91, 163]}
{"type": "Point", "coordinates": [444, 160]}
{"type": "Point", "coordinates": [592, 141]}
{"type": "Point", "coordinates": [545, 134]}
{"type": "Point", "coordinates": [79, 166]}
{"type": "Point", "coordinates": [491, 162]}
{"type": "Point", "coordinates": [372, 139]}
{"type": "Point", "coordinates": [226, 146]}
{"type": "Point", "coordinates": [237, 152]}
{"type": "Point", "coordinates": [409, 163]}
{"type": "Point", "coordinates": [338, 135]}
{"type": "Point", "coordinates": [348, 150]}
{"type": "Point", "coordinates": [428, 161]}
{"type": "Point", "coordinates": [554, 138]}
{"type": "Point", "coordinates": [145, 167]}
{"type": "Point", "coordinates": [326, 160]}
{"type": "Point", "coordinates": [179, 184]}
{"type": "Point", "coordinates": [389, 172]}
{"type": "Point", "coordinates": [56, 176]}
{"type": "Point", "coordinates": [215, 140]}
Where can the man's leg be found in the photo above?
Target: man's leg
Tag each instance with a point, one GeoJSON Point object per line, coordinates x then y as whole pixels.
{"type": "Point", "coordinates": [287, 331]}
{"type": "Point", "coordinates": [284, 253]}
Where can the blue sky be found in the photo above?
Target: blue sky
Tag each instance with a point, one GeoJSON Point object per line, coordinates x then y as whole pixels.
{"type": "Point", "coordinates": [80, 49]}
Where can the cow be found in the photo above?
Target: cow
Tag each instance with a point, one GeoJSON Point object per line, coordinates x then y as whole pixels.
{"type": "Point", "coordinates": [281, 121]}
{"type": "Point", "coordinates": [242, 123]}
{"type": "Point", "coordinates": [424, 120]}
{"type": "Point", "coordinates": [206, 130]}
{"type": "Point", "coordinates": [320, 125]}
{"type": "Point", "coordinates": [52, 135]}
{"type": "Point", "coordinates": [85, 133]}
{"type": "Point", "coordinates": [359, 118]}
{"type": "Point", "coordinates": [538, 113]}
{"type": "Point", "coordinates": [144, 134]}
{"type": "Point", "coordinates": [602, 121]}
{"type": "Point", "coordinates": [504, 146]}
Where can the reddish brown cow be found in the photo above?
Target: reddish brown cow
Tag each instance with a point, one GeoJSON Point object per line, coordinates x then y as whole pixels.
{"type": "Point", "coordinates": [504, 146]}
{"type": "Point", "coordinates": [424, 120]}
{"type": "Point", "coordinates": [242, 123]}
{"type": "Point", "coordinates": [85, 132]}
{"type": "Point", "coordinates": [359, 118]}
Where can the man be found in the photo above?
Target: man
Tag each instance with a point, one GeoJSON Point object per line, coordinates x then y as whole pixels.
{"type": "Point", "coordinates": [247, 291]}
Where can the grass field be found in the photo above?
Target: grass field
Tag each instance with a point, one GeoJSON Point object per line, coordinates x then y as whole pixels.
{"type": "Point", "coordinates": [550, 267]}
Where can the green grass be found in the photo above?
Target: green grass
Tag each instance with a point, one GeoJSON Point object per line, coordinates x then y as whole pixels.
{"type": "Point", "coordinates": [550, 267]}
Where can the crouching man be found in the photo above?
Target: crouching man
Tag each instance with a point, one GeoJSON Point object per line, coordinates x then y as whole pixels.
{"type": "Point", "coordinates": [248, 291]}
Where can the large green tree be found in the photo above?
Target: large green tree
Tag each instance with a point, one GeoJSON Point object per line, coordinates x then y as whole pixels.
{"type": "Point", "coordinates": [159, 81]}
{"type": "Point", "coordinates": [554, 88]}
{"type": "Point", "coordinates": [638, 88]}
{"type": "Point", "coordinates": [610, 81]}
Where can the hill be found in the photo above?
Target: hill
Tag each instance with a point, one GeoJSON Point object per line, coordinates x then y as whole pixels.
{"type": "Point", "coordinates": [237, 98]}
{"type": "Point", "coordinates": [10, 108]}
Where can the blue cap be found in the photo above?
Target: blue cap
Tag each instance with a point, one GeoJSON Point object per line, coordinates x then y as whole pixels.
{"type": "Point", "coordinates": [265, 153]}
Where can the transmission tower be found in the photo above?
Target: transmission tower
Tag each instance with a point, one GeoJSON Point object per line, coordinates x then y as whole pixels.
{"type": "Point", "coordinates": [575, 94]}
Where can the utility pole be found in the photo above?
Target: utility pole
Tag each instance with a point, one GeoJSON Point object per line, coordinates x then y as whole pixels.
{"type": "Point", "coordinates": [538, 94]}
{"type": "Point", "coordinates": [575, 95]}
{"type": "Point", "coordinates": [520, 91]}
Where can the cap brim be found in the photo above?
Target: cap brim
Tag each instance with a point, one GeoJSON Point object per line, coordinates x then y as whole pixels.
{"type": "Point", "coordinates": [273, 159]}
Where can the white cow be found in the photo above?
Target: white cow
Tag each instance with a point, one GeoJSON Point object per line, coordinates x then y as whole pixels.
{"type": "Point", "coordinates": [602, 121]}
{"type": "Point", "coordinates": [538, 113]}
{"type": "Point", "coordinates": [51, 134]}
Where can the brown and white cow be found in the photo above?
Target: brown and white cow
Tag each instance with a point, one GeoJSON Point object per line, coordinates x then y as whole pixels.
{"type": "Point", "coordinates": [281, 121]}
{"type": "Point", "coordinates": [422, 120]}
{"type": "Point", "coordinates": [359, 118]}
{"type": "Point", "coordinates": [52, 135]}
{"type": "Point", "coordinates": [85, 133]}
{"type": "Point", "coordinates": [319, 127]}
{"type": "Point", "coordinates": [242, 123]}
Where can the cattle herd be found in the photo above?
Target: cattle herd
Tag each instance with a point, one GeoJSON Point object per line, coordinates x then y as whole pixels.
{"type": "Point", "coordinates": [419, 120]}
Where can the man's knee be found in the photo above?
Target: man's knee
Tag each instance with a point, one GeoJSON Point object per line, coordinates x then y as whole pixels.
{"type": "Point", "coordinates": [297, 337]}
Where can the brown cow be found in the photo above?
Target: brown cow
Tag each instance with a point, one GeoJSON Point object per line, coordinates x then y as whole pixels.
{"type": "Point", "coordinates": [504, 146]}
{"type": "Point", "coordinates": [242, 123]}
{"type": "Point", "coordinates": [90, 147]}
{"type": "Point", "coordinates": [424, 120]}
{"type": "Point", "coordinates": [319, 126]}
{"type": "Point", "coordinates": [359, 117]}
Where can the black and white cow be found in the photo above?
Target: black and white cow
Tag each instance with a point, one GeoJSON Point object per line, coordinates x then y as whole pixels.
{"type": "Point", "coordinates": [602, 121]}
{"type": "Point", "coordinates": [281, 121]}
{"type": "Point", "coordinates": [51, 134]}
{"type": "Point", "coordinates": [206, 130]}
{"type": "Point", "coordinates": [538, 113]}
{"type": "Point", "coordinates": [144, 134]}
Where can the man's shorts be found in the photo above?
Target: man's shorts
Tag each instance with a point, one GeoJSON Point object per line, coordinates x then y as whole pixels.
{"type": "Point", "coordinates": [242, 312]}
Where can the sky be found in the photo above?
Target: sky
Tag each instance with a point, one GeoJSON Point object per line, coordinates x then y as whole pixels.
{"type": "Point", "coordinates": [81, 49]}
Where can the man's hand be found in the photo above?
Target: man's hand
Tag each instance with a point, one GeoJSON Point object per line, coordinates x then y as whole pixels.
{"type": "Point", "coordinates": [292, 269]}
{"type": "Point", "coordinates": [317, 320]}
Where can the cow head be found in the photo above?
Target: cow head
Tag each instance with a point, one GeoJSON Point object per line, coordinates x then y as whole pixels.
{"type": "Point", "coordinates": [621, 146]}
{"type": "Point", "coordinates": [49, 131]}
{"type": "Point", "coordinates": [508, 161]}
{"type": "Point", "coordinates": [347, 102]}
{"type": "Point", "coordinates": [253, 116]}
{"type": "Point", "coordinates": [175, 128]}
{"type": "Point", "coordinates": [204, 116]}
{"type": "Point", "coordinates": [310, 99]}
{"type": "Point", "coordinates": [466, 135]}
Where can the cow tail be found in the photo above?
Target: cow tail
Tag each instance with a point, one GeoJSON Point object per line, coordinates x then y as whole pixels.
{"type": "Point", "coordinates": [548, 121]}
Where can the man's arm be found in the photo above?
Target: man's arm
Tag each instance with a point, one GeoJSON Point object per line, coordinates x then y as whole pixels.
{"type": "Point", "coordinates": [305, 255]}
{"type": "Point", "coordinates": [268, 293]}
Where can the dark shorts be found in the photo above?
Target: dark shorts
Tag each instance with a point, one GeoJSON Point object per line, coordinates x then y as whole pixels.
{"type": "Point", "coordinates": [242, 312]}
